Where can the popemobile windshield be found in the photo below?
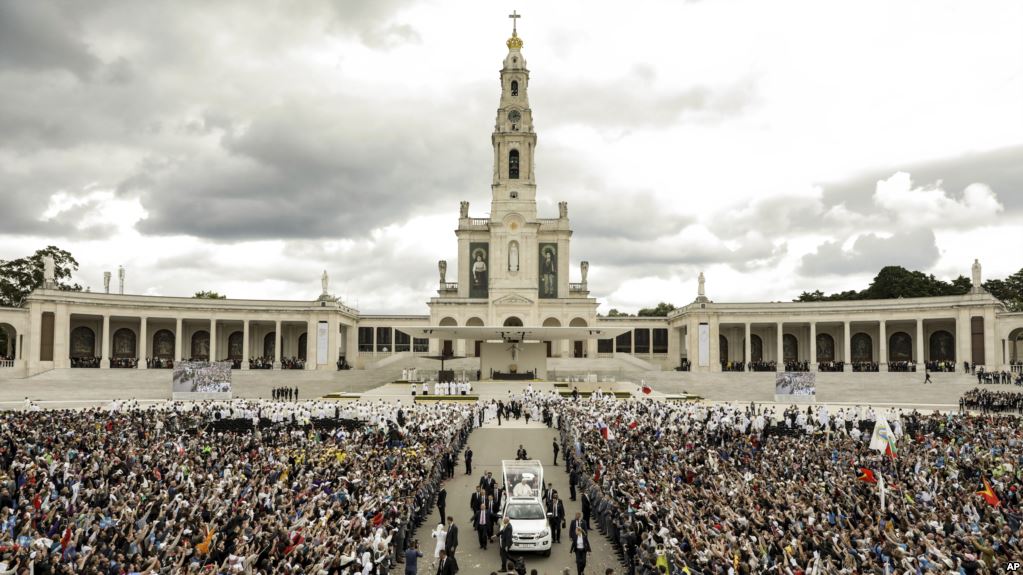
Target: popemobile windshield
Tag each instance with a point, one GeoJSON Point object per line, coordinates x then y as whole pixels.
{"type": "Point", "coordinates": [523, 478]}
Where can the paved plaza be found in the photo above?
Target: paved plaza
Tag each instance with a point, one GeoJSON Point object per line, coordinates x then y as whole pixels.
{"type": "Point", "coordinates": [491, 444]}
{"type": "Point", "coordinates": [83, 387]}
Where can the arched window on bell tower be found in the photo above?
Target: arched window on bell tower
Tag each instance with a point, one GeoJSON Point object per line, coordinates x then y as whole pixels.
{"type": "Point", "coordinates": [513, 164]}
{"type": "Point", "coordinates": [515, 88]}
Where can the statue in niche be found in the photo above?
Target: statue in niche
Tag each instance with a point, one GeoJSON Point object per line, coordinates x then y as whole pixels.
{"type": "Point", "coordinates": [324, 280]}
{"type": "Point", "coordinates": [584, 268]}
{"type": "Point", "coordinates": [442, 267]}
{"type": "Point", "coordinates": [513, 257]}
{"type": "Point", "coordinates": [463, 210]}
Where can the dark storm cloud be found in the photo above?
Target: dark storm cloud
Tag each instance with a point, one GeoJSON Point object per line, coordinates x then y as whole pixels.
{"type": "Point", "coordinates": [329, 168]}
{"type": "Point", "coordinates": [39, 35]}
{"type": "Point", "coordinates": [915, 250]}
{"type": "Point", "coordinates": [600, 213]}
{"type": "Point", "coordinates": [1001, 169]}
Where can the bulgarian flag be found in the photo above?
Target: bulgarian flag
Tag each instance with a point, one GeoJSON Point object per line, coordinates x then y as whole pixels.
{"type": "Point", "coordinates": [883, 438]}
{"type": "Point", "coordinates": [989, 495]}
{"type": "Point", "coordinates": [867, 475]}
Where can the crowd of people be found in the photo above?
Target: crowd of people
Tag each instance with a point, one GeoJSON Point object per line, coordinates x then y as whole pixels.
{"type": "Point", "coordinates": [233, 487]}
{"type": "Point", "coordinates": [797, 366]}
{"type": "Point", "coordinates": [986, 401]}
{"type": "Point", "coordinates": [831, 366]}
{"type": "Point", "coordinates": [985, 377]}
{"type": "Point", "coordinates": [284, 393]}
{"type": "Point", "coordinates": [940, 366]}
{"type": "Point", "coordinates": [763, 366]}
{"type": "Point", "coordinates": [91, 362]}
{"type": "Point", "coordinates": [902, 366]}
{"type": "Point", "coordinates": [262, 362]}
{"type": "Point", "coordinates": [740, 489]}
{"type": "Point", "coordinates": [866, 366]}
{"type": "Point", "coordinates": [292, 363]}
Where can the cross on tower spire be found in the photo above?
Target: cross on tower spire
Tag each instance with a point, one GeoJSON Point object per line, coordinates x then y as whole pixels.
{"type": "Point", "coordinates": [515, 19]}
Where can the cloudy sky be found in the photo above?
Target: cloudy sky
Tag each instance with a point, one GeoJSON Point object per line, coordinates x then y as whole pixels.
{"type": "Point", "coordinates": [244, 146]}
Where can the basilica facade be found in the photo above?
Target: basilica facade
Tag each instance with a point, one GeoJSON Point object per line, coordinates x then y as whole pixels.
{"type": "Point", "coordinates": [514, 268]}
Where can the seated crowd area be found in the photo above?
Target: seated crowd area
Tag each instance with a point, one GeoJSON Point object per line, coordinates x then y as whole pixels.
{"type": "Point", "coordinates": [316, 487]}
{"type": "Point", "coordinates": [240, 487]}
{"type": "Point", "coordinates": [698, 489]}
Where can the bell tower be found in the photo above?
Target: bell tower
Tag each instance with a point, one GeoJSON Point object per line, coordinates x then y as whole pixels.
{"type": "Point", "coordinates": [514, 141]}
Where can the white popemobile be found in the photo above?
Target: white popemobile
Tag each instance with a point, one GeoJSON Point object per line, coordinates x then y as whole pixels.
{"type": "Point", "coordinates": [524, 505]}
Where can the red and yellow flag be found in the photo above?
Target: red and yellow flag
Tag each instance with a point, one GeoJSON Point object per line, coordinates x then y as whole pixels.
{"type": "Point", "coordinates": [867, 475]}
{"type": "Point", "coordinates": [989, 495]}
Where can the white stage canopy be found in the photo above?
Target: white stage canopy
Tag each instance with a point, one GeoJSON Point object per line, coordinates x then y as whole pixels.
{"type": "Point", "coordinates": [512, 333]}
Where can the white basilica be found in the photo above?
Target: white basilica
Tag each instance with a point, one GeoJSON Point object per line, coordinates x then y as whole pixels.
{"type": "Point", "coordinates": [514, 269]}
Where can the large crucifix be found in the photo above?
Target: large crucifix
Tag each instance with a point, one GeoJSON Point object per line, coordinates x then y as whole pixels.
{"type": "Point", "coordinates": [515, 18]}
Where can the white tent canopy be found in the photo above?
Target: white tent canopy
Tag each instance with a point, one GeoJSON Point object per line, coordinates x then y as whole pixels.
{"type": "Point", "coordinates": [512, 333]}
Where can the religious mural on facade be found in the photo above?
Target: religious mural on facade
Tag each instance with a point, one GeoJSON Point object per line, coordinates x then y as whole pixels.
{"type": "Point", "coordinates": [163, 344]}
{"type": "Point", "coordinates": [479, 269]}
{"type": "Point", "coordinates": [83, 342]}
{"type": "Point", "coordinates": [548, 270]}
{"type": "Point", "coordinates": [942, 346]}
{"type": "Point", "coordinates": [862, 348]}
{"type": "Point", "coordinates": [825, 348]}
{"type": "Point", "coordinates": [234, 345]}
{"type": "Point", "coordinates": [124, 343]}
{"type": "Point", "coordinates": [900, 347]}
{"type": "Point", "coordinates": [790, 347]}
{"type": "Point", "coordinates": [201, 345]}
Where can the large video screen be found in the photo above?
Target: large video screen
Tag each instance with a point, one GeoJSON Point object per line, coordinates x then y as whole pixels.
{"type": "Point", "coordinates": [795, 383]}
{"type": "Point", "coordinates": [202, 377]}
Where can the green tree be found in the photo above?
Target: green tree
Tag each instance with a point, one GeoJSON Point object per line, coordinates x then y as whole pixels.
{"type": "Point", "coordinates": [615, 313]}
{"type": "Point", "coordinates": [660, 310]}
{"type": "Point", "coordinates": [20, 277]}
{"type": "Point", "coordinates": [206, 294]}
{"type": "Point", "coordinates": [1009, 290]}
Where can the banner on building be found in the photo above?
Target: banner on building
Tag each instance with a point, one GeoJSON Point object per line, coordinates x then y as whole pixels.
{"type": "Point", "coordinates": [795, 386]}
{"type": "Point", "coordinates": [201, 380]}
{"type": "Point", "coordinates": [321, 344]}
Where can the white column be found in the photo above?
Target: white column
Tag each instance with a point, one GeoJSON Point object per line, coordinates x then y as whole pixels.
{"type": "Point", "coordinates": [213, 339]}
{"type": "Point", "coordinates": [142, 347]}
{"type": "Point", "coordinates": [177, 339]}
{"type": "Point", "coordinates": [310, 344]}
{"type": "Point", "coordinates": [847, 347]}
{"type": "Point", "coordinates": [245, 344]}
{"type": "Point", "coordinates": [1005, 354]}
{"type": "Point", "coordinates": [278, 338]}
{"type": "Point", "coordinates": [920, 344]}
{"type": "Point", "coordinates": [964, 341]}
{"type": "Point", "coordinates": [748, 351]}
{"type": "Point", "coordinates": [882, 346]}
{"type": "Point", "coordinates": [104, 361]}
{"type": "Point", "coordinates": [715, 343]}
{"type": "Point", "coordinates": [813, 346]}
{"type": "Point", "coordinates": [61, 337]}
{"type": "Point", "coordinates": [780, 358]}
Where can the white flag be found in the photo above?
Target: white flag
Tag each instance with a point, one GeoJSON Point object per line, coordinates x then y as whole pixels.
{"type": "Point", "coordinates": [883, 437]}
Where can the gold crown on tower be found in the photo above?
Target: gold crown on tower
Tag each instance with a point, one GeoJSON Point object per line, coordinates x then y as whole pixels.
{"type": "Point", "coordinates": [514, 42]}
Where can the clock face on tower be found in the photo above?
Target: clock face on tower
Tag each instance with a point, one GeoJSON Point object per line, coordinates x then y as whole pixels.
{"type": "Point", "coordinates": [514, 116]}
